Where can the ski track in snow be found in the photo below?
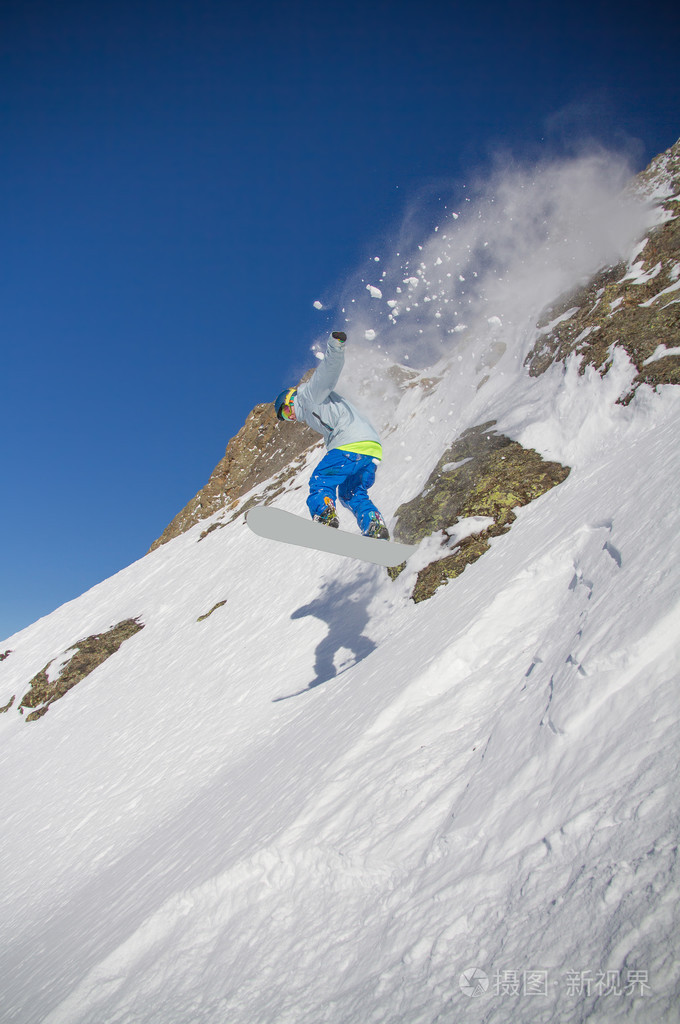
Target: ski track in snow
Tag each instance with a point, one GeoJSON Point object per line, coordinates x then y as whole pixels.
{"type": "Point", "coordinates": [484, 780]}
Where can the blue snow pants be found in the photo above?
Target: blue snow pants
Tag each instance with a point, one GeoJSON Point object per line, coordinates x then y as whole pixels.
{"type": "Point", "coordinates": [348, 474]}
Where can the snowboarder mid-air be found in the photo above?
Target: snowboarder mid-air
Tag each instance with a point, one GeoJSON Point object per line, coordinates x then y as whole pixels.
{"type": "Point", "coordinates": [348, 468]}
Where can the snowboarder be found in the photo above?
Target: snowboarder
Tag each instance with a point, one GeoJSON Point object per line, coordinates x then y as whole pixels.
{"type": "Point", "coordinates": [354, 450]}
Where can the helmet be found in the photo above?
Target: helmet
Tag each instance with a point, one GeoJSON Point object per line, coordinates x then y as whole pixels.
{"type": "Point", "coordinates": [285, 398]}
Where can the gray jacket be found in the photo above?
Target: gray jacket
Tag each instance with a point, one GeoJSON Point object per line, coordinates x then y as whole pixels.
{"type": "Point", "coordinates": [325, 410]}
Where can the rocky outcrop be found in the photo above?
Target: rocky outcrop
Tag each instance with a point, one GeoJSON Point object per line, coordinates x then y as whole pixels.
{"type": "Point", "coordinates": [482, 474]}
{"type": "Point", "coordinates": [76, 664]}
{"type": "Point", "coordinates": [263, 447]}
{"type": "Point", "coordinates": [633, 307]}
{"type": "Point", "coordinates": [206, 615]}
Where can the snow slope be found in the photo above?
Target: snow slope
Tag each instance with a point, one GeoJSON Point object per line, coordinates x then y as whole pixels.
{"type": "Point", "coordinates": [469, 810]}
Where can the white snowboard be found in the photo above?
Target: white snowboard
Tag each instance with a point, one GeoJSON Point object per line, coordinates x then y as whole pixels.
{"type": "Point", "coordinates": [276, 524]}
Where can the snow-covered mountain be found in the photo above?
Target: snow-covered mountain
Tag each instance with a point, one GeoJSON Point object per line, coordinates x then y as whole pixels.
{"type": "Point", "coordinates": [243, 782]}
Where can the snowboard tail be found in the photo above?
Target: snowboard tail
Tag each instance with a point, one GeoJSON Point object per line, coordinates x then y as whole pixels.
{"type": "Point", "coordinates": [287, 528]}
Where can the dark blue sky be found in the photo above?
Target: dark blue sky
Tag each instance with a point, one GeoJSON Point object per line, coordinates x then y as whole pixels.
{"type": "Point", "coordinates": [180, 181]}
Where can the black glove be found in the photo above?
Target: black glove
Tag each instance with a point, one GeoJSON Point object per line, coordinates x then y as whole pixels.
{"type": "Point", "coordinates": [339, 335]}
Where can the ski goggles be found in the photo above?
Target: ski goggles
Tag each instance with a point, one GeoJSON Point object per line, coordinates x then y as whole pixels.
{"type": "Point", "coordinates": [286, 411]}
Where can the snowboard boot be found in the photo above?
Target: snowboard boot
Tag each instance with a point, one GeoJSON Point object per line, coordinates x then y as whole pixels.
{"type": "Point", "coordinates": [377, 528]}
{"type": "Point", "coordinates": [330, 516]}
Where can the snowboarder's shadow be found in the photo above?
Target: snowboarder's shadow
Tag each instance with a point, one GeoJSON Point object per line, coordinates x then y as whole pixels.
{"type": "Point", "coordinates": [344, 609]}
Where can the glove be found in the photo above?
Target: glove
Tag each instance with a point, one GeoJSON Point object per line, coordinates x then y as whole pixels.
{"type": "Point", "coordinates": [339, 336]}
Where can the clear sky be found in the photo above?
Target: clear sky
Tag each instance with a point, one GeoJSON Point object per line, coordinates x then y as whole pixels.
{"type": "Point", "coordinates": [180, 182]}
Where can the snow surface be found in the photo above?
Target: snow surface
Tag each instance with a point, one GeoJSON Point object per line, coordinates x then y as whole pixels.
{"type": "Point", "coordinates": [469, 812]}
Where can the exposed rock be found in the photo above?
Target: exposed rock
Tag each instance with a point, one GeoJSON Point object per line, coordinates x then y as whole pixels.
{"type": "Point", "coordinates": [405, 378]}
{"type": "Point", "coordinates": [482, 474]}
{"type": "Point", "coordinates": [87, 655]}
{"type": "Point", "coordinates": [638, 309]}
{"type": "Point", "coordinates": [662, 173]}
{"type": "Point", "coordinates": [263, 447]}
{"type": "Point", "coordinates": [3, 655]}
{"type": "Point", "coordinates": [220, 604]}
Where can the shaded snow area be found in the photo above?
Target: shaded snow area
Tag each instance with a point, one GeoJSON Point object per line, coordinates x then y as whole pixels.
{"type": "Point", "coordinates": [325, 803]}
